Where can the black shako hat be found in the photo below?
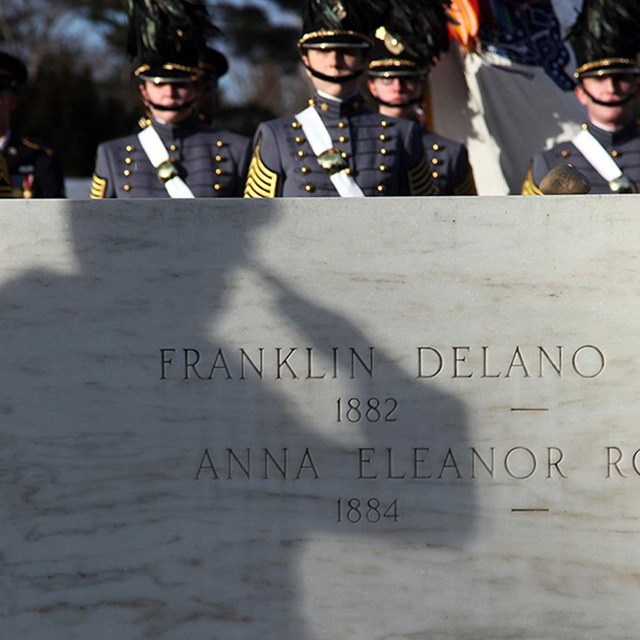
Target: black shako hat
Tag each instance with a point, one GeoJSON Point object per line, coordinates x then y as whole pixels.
{"type": "Point", "coordinates": [13, 73]}
{"type": "Point", "coordinates": [168, 39]}
{"type": "Point", "coordinates": [213, 64]}
{"type": "Point", "coordinates": [605, 38]}
{"type": "Point", "coordinates": [389, 57]}
{"type": "Point", "coordinates": [339, 23]}
{"type": "Point", "coordinates": [411, 39]}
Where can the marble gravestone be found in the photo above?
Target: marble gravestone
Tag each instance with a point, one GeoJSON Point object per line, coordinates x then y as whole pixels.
{"type": "Point", "coordinates": [309, 420]}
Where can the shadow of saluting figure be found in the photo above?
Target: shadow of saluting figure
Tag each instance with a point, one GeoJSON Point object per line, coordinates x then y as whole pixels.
{"type": "Point", "coordinates": [109, 534]}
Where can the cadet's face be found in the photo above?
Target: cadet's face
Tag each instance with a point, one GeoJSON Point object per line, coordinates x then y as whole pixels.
{"type": "Point", "coordinates": [178, 97]}
{"type": "Point", "coordinates": [608, 88]}
{"type": "Point", "coordinates": [335, 62]}
{"type": "Point", "coordinates": [397, 90]}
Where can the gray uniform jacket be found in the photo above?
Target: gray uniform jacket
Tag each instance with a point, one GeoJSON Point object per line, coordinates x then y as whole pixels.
{"type": "Point", "coordinates": [384, 155]}
{"type": "Point", "coordinates": [450, 168]}
{"type": "Point", "coordinates": [211, 162]}
{"type": "Point", "coordinates": [623, 146]}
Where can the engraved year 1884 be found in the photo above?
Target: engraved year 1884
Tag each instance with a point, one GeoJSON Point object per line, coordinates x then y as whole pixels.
{"type": "Point", "coordinates": [371, 511]}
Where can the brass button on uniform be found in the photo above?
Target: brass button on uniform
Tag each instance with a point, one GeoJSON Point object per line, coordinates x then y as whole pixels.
{"type": "Point", "coordinates": [173, 147]}
{"type": "Point", "coordinates": [342, 139]}
{"type": "Point", "coordinates": [126, 173]}
{"type": "Point", "coordinates": [381, 188]}
{"type": "Point", "coordinates": [219, 158]}
{"type": "Point", "coordinates": [382, 168]}
{"type": "Point", "coordinates": [435, 175]}
{"type": "Point", "coordinates": [435, 147]}
{"type": "Point", "coordinates": [435, 161]}
{"type": "Point", "coordinates": [383, 151]}
{"type": "Point", "coordinates": [383, 138]}
{"type": "Point", "coordinates": [129, 148]}
{"type": "Point", "coordinates": [128, 160]}
{"type": "Point", "coordinates": [127, 187]}
{"type": "Point", "coordinates": [344, 154]}
{"type": "Point", "coordinates": [304, 170]}
{"type": "Point", "coordinates": [295, 124]}
{"type": "Point", "coordinates": [217, 186]}
{"type": "Point", "coordinates": [384, 124]}
{"type": "Point", "coordinates": [342, 125]}
{"type": "Point", "coordinates": [302, 153]}
{"type": "Point", "coordinates": [219, 144]}
{"type": "Point", "coordinates": [299, 139]}
{"type": "Point", "coordinates": [348, 171]}
{"type": "Point", "coordinates": [309, 188]}
{"type": "Point", "coordinates": [218, 171]}
{"type": "Point", "coordinates": [564, 153]}
{"type": "Point", "coordinates": [615, 153]}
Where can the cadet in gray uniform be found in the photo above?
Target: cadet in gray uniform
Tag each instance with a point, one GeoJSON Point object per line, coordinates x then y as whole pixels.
{"type": "Point", "coordinates": [399, 90]}
{"type": "Point", "coordinates": [213, 163]}
{"type": "Point", "coordinates": [607, 150]}
{"type": "Point", "coordinates": [403, 51]}
{"type": "Point", "coordinates": [177, 155]}
{"type": "Point", "coordinates": [622, 145]}
{"type": "Point", "coordinates": [28, 169]}
{"type": "Point", "coordinates": [337, 146]}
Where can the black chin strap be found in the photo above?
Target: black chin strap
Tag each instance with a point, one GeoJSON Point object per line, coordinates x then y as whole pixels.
{"type": "Point", "coordinates": [181, 107]}
{"type": "Point", "coordinates": [602, 103]}
{"type": "Point", "coordinates": [335, 80]}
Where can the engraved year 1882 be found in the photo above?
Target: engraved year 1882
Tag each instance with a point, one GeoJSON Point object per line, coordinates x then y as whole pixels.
{"type": "Point", "coordinates": [370, 410]}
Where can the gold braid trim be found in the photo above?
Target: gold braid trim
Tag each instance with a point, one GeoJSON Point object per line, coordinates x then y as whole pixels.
{"type": "Point", "coordinates": [420, 182]}
{"type": "Point", "coordinates": [604, 64]}
{"type": "Point", "coordinates": [98, 187]}
{"type": "Point", "coordinates": [467, 187]}
{"type": "Point", "coordinates": [169, 66]}
{"type": "Point", "coordinates": [529, 187]}
{"type": "Point", "coordinates": [30, 144]}
{"type": "Point", "coordinates": [392, 62]}
{"type": "Point", "coordinates": [261, 181]}
{"type": "Point", "coordinates": [333, 33]}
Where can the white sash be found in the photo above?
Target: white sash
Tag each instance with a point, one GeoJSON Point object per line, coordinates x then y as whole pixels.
{"type": "Point", "coordinates": [320, 141]}
{"type": "Point", "coordinates": [597, 156]}
{"type": "Point", "coordinates": [157, 154]}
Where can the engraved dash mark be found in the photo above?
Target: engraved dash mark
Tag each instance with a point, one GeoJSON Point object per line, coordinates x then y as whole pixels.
{"type": "Point", "coordinates": [533, 510]}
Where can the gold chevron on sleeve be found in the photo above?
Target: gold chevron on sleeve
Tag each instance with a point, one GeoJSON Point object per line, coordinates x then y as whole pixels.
{"type": "Point", "coordinates": [467, 187]}
{"type": "Point", "coordinates": [529, 187]}
{"type": "Point", "coordinates": [420, 182]}
{"type": "Point", "coordinates": [98, 187]}
{"type": "Point", "coordinates": [261, 181]}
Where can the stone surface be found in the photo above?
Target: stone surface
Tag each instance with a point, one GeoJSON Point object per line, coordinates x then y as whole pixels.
{"type": "Point", "coordinates": [441, 442]}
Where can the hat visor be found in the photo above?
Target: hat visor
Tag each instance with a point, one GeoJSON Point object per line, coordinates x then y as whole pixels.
{"type": "Point", "coordinates": [394, 67]}
{"type": "Point", "coordinates": [167, 73]}
{"type": "Point", "coordinates": [606, 67]}
{"type": "Point", "coordinates": [334, 40]}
